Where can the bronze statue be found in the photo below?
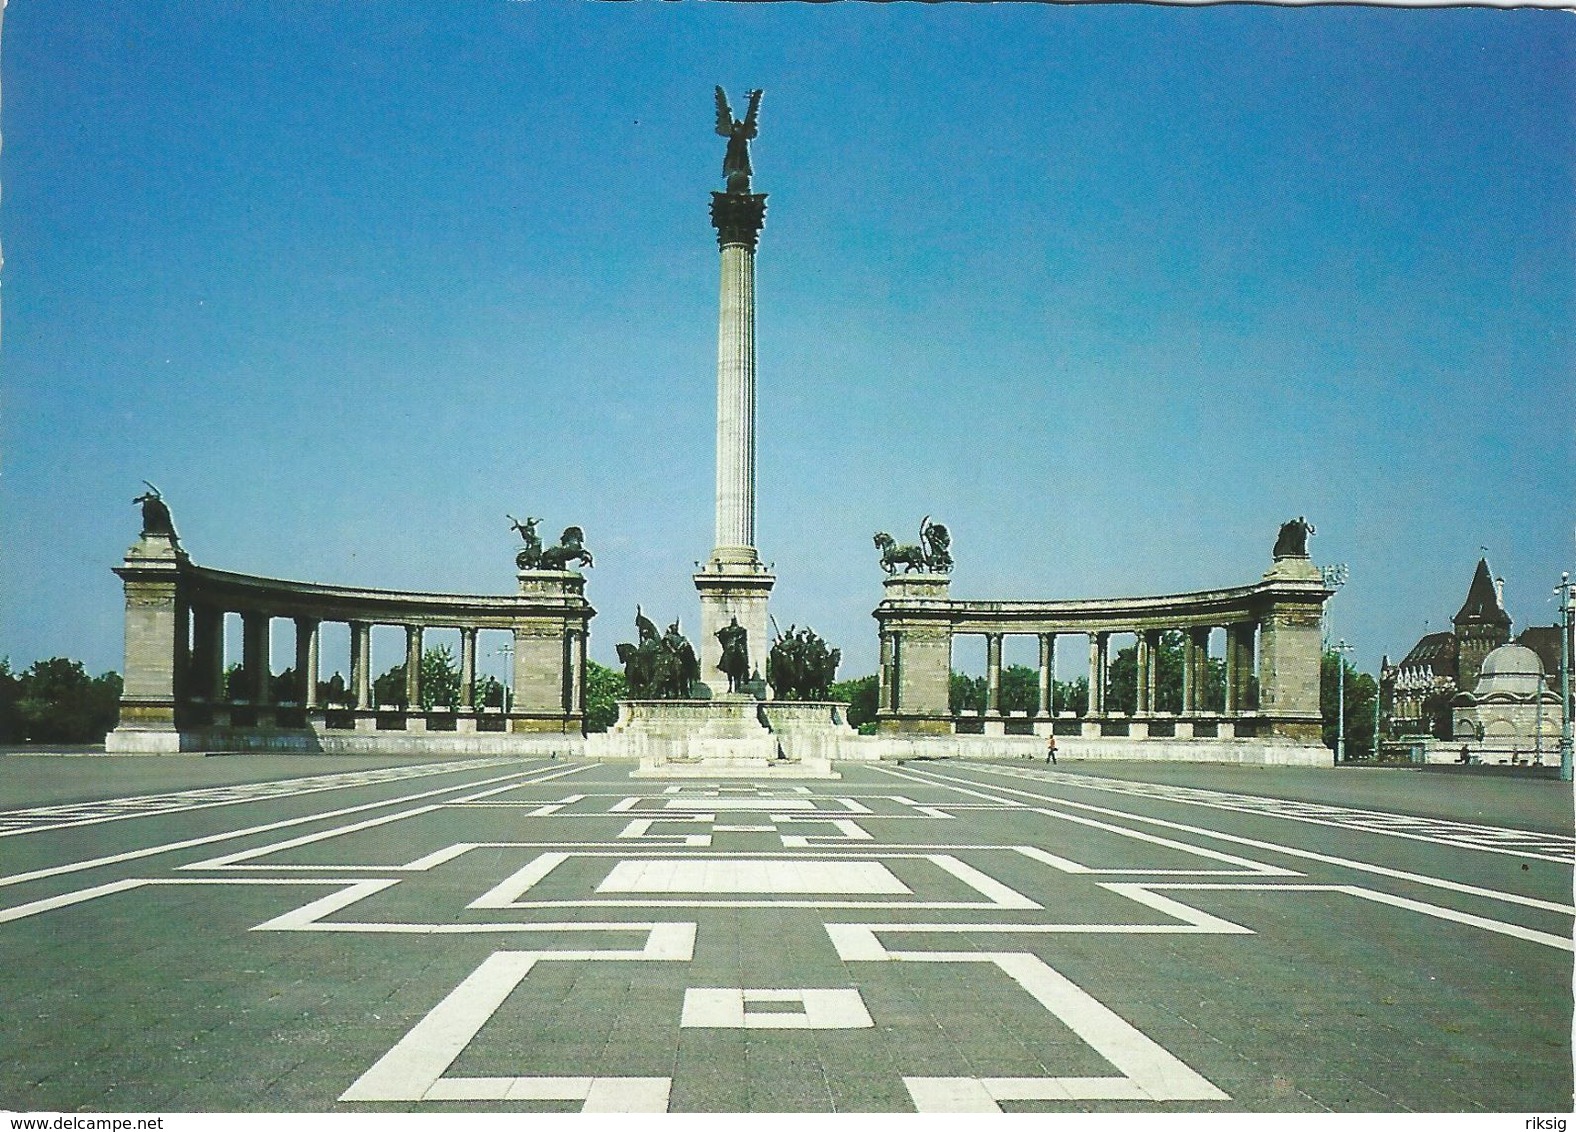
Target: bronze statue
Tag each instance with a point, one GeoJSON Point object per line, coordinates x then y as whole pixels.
{"type": "Point", "coordinates": [736, 162]}
{"type": "Point", "coordinates": [659, 668]}
{"type": "Point", "coordinates": [533, 556]}
{"type": "Point", "coordinates": [735, 661]}
{"type": "Point", "coordinates": [156, 518]}
{"type": "Point", "coordinates": [530, 556]}
{"type": "Point", "coordinates": [570, 548]}
{"type": "Point", "coordinates": [1293, 539]}
{"type": "Point", "coordinates": [938, 543]}
{"type": "Point", "coordinates": [800, 667]}
{"type": "Point", "coordinates": [933, 555]}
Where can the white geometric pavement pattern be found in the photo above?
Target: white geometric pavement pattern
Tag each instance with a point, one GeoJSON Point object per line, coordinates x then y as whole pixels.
{"type": "Point", "coordinates": [35, 819]}
{"type": "Point", "coordinates": [1557, 847]}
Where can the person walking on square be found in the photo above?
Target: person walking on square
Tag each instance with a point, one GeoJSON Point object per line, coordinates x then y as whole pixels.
{"type": "Point", "coordinates": [1050, 749]}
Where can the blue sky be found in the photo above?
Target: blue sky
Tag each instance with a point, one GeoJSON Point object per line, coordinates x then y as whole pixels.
{"type": "Point", "coordinates": [1109, 290]}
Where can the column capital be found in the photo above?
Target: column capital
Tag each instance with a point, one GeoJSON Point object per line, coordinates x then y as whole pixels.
{"type": "Point", "coordinates": [738, 218]}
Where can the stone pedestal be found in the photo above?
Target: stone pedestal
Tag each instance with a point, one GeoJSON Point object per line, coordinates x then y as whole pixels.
{"type": "Point", "coordinates": [156, 617]}
{"type": "Point", "coordinates": [549, 654]}
{"type": "Point", "coordinates": [731, 590]}
{"type": "Point", "coordinates": [726, 737]}
{"type": "Point", "coordinates": [915, 620]}
{"type": "Point", "coordinates": [1290, 651]}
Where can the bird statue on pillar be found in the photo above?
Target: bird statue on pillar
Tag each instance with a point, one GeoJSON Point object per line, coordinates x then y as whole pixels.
{"type": "Point", "coordinates": [736, 162]}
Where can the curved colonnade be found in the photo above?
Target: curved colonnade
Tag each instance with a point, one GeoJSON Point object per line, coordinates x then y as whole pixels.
{"type": "Point", "coordinates": [1272, 656]}
{"type": "Point", "coordinates": [176, 696]}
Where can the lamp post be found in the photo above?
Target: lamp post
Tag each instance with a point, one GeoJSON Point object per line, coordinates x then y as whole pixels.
{"type": "Point", "coordinates": [1376, 721]}
{"type": "Point", "coordinates": [1340, 649]}
{"type": "Point", "coordinates": [1564, 590]}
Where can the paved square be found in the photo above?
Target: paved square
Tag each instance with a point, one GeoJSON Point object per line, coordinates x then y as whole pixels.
{"type": "Point", "coordinates": [936, 936]}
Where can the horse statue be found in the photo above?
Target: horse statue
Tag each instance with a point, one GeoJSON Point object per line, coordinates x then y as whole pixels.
{"type": "Point", "coordinates": [659, 667]}
{"type": "Point", "coordinates": [570, 548]}
{"type": "Point", "coordinates": [911, 558]}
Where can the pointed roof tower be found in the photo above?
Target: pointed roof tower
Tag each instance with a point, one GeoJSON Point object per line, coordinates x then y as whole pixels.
{"type": "Point", "coordinates": [1482, 606]}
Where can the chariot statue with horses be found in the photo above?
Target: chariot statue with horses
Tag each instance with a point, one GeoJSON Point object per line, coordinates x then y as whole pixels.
{"type": "Point", "coordinates": [534, 556]}
{"type": "Point", "coordinates": [932, 555]}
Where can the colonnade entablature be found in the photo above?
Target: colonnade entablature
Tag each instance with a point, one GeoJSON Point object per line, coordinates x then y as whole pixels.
{"type": "Point", "coordinates": [1271, 654]}
{"type": "Point", "coordinates": [179, 689]}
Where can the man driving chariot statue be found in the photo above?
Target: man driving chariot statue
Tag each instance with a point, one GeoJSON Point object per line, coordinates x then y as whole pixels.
{"type": "Point", "coordinates": [933, 555]}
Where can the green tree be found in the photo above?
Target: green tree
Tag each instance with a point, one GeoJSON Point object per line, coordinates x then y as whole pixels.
{"type": "Point", "coordinates": [1121, 688]}
{"type": "Point", "coordinates": [1361, 692]}
{"type": "Point", "coordinates": [860, 696]}
{"type": "Point", "coordinates": [440, 681]}
{"type": "Point", "coordinates": [489, 691]}
{"type": "Point", "coordinates": [967, 693]}
{"type": "Point", "coordinates": [58, 702]}
{"type": "Point", "coordinates": [604, 688]}
{"type": "Point", "coordinates": [10, 692]}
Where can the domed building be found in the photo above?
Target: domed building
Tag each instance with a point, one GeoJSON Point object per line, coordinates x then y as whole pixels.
{"type": "Point", "coordinates": [1512, 715]}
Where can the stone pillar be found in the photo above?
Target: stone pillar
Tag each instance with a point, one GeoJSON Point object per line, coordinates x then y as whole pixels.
{"type": "Point", "coordinates": [255, 656]}
{"type": "Point", "coordinates": [151, 574]}
{"type": "Point", "coordinates": [1144, 658]}
{"type": "Point", "coordinates": [993, 673]}
{"type": "Point", "coordinates": [306, 665]}
{"type": "Point", "coordinates": [361, 664]}
{"type": "Point", "coordinates": [412, 667]}
{"type": "Point", "coordinates": [1092, 695]}
{"type": "Point", "coordinates": [1239, 666]}
{"type": "Point", "coordinates": [1201, 669]}
{"type": "Point", "coordinates": [734, 584]}
{"type": "Point", "coordinates": [915, 615]}
{"type": "Point", "coordinates": [1045, 708]}
{"type": "Point", "coordinates": [468, 667]}
{"type": "Point", "coordinates": [1189, 673]}
{"type": "Point", "coordinates": [549, 653]}
{"type": "Point", "coordinates": [1152, 685]}
{"type": "Point", "coordinates": [1290, 614]}
{"type": "Point", "coordinates": [208, 653]}
{"type": "Point", "coordinates": [885, 685]}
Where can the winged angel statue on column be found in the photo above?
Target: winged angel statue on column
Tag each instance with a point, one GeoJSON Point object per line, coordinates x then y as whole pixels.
{"type": "Point", "coordinates": [736, 162]}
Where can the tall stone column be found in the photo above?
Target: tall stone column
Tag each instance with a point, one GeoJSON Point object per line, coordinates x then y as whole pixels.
{"type": "Point", "coordinates": [734, 584]}
{"type": "Point", "coordinates": [255, 655]}
{"type": "Point", "coordinates": [993, 673]}
{"type": "Point", "coordinates": [1143, 659]}
{"type": "Point", "coordinates": [413, 667]}
{"type": "Point", "coordinates": [1047, 675]}
{"type": "Point", "coordinates": [467, 667]}
{"type": "Point", "coordinates": [306, 650]}
{"type": "Point", "coordinates": [361, 664]}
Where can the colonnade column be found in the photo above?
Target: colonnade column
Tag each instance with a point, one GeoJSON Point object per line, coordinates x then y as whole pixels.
{"type": "Point", "coordinates": [361, 664]}
{"type": "Point", "coordinates": [1189, 673]}
{"type": "Point", "coordinates": [208, 653]}
{"type": "Point", "coordinates": [306, 664]}
{"type": "Point", "coordinates": [1047, 704]}
{"type": "Point", "coordinates": [412, 667]}
{"type": "Point", "coordinates": [468, 667]}
{"type": "Point", "coordinates": [254, 655]}
{"type": "Point", "coordinates": [1201, 673]}
{"type": "Point", "coordinates": [1145, 659]}
{"type": "Point", "coordinates": [885, 685]}
{"type": "Point", "coordinates": [1151, 688]}
{"type": "Point", "coordinates": [993, 673]}
{"type": "Point", "coordinates": [1092, 705]}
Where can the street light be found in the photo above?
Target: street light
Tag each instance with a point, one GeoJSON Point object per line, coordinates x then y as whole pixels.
{"type": "Point", "coordinates": [1564, 590]}
{"type": "Point", "coordinates": [1340, 650]}
{"type": "Point", "coordinates": [1334, 577]}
